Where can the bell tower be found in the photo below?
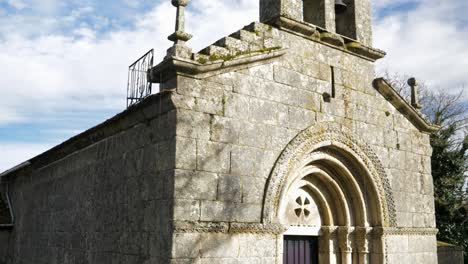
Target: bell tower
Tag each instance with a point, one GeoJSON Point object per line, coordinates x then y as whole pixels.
{"type": "Point", "coordinates": [349, 18]}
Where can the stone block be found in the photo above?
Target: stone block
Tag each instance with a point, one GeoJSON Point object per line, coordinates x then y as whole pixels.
{"type": "Point", "coordinates": [225, 130]}
{"type": "Point", "coordinates": [186, 210]}
{"type": "Point", "coordinates": [193, 124]}
{"type": "Point", "coordinates": [404, 219]}
{"type": "Point", "coordinates": [289, 77]}
{"type": "Point", "coordinates": [265, 246]}
{"type": "Point", "coordinates": [253, 135]}
{"type": "Point", "coordinates": [200, 88]}
{"type": "Point", "coordinates": [186, 245]}
{"type": "Point", "coordinates": [208, 105]}
{"type": "Point", "coordinates": [252, 189]}
{"type": "Point", "coordinates": [397, 159]}
{"type": "Point", "coordinates": [220, 211]}
{"type": "Point", "coordinates": [262, 72]}
{"type": "Point", "coordinates": [195, 185]}
{"type": "Point", "coordinates": [421, 244]}
{"type": "Point", "coordinates": [279, 137]}
{"type": "Point", "coordinates": [335, 108]}
{"type": "Point", "coordinates": [237, 106]}
{"type": "Point", "coordinates": [262, 111]}
{"type": "Point", "coordinates": [186, 153]}
{"type": "Point", "coordinates": [165, 158]}
{"type": "Point", "coordinates": [229, 188]}
{"type": "Point", "coordinates": [219, 261]}
{"type": "Point", "coordinates": [397, 244]}
{"type": "Point", "coordinates": [213, 157]}
{"type": "Point", "coordinates": [219, 246]}
{"type": "Point", "coordinates": [246, 161]}
{"type": "Point", "coordinates": [300, 118]}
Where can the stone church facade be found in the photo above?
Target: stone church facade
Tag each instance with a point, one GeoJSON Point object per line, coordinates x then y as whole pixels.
{"type": "Point", "coordinates": [276, 144]}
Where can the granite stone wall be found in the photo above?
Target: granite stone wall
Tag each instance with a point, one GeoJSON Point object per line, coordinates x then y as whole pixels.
{"type": "Point", "coordinates": [239, 122]}
{"type": "Point", "coordinates": [102, 197]}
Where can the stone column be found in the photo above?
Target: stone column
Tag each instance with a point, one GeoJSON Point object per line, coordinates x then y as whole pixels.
{"type": "Point", "coordinates": [363, 20]}
{"type": "Point", "coordinates": [362, 242]}
{"type": "Point", "coordinates": [330, 23]}
{"type": "Point", "coordinates": [345, 244]}
{"type": "Point", "coordinates": [324, 244]}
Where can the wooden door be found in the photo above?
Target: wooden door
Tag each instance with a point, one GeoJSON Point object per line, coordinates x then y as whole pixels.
{"type": "Point", "coordinates": [300, 250]}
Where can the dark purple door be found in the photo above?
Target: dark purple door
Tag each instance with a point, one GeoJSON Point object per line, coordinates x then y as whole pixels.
{"type": "Point", "coordinates": [300, 250]}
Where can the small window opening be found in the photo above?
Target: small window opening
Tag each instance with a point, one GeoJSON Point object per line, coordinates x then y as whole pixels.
{"type": "Point", "coordinates": [333, 88]}
{"type": "Point", "coordinates": [346, 22]}
{"type": "Point", "coordinates": [314, 12]}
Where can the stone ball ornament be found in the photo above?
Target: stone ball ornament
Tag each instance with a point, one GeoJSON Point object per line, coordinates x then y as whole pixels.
{"type": "Point", "coordinates": [178, 3]}
{"type": "Point", "coordinates": [412, 82]}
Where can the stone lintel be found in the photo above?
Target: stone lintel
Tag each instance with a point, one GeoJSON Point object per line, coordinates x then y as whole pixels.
{"type": "Point", "coordinates": [385, 89]}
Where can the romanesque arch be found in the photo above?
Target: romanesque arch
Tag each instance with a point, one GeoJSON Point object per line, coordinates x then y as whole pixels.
{"type": "Point", "coordinates": [329, 179]}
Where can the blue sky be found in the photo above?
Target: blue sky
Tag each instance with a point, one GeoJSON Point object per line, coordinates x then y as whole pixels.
{"type": "Point", "coordinates": [63, 64]}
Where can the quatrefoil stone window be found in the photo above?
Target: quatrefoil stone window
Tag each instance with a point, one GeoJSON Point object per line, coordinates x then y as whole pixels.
{"type": "Point", "coordinates": [302, 206]}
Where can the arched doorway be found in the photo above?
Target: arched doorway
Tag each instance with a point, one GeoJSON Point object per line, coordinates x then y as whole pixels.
{"type": "Point", "coordinates": [329, 185]}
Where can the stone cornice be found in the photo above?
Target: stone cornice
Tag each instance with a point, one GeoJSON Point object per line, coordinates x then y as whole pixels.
{"type": "Point", "coordinates": [170, 67]}
{"type": "Point", "coordinates": [325, 37]}
{"type": "Point", "coordinates": [385, 89]}
{"type": "Point", "coordinates": [405, 231]}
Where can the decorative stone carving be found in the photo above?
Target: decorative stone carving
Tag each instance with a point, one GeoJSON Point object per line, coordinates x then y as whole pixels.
{"type": "Point", "coordinates": [223, 227]}
{"type": "Point", "coordinates": [320, 136]}
{"type": "Point", "coordinates": [179, 37]}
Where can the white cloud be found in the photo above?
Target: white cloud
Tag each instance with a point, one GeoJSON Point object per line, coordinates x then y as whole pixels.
{"type": "Point", "coordinates": [15, 153]}
{"type": "Point", "coordinates": [44, 71]}
{"type": "Point", "coordinates": [88, 70]}
{"type": "Point", "coordinates": [18, 4]}
{"type": "Point", "coordinates": [427, 43]}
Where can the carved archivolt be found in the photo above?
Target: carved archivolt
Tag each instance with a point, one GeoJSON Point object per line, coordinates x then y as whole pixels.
{"type": "Point", "coordinates": [333, 144]}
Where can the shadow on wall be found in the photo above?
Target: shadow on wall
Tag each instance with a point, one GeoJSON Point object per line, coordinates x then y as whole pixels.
{"type": "Point", "coordinates": [107, 201]}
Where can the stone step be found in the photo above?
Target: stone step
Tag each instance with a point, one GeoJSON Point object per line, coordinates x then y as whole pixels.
{"type": "Point", "coordinates": [247, 36]}
{"type": "Point", "coordinates": [201, 58]}
{"type": "Point", "coordinates": [214, 50]}
{"type": "Point", "coordinates": [257, 27]}
{"type": "Point", "coordinates": [263, 31]}
{"type": "Point", "coordinates": [233, 44]}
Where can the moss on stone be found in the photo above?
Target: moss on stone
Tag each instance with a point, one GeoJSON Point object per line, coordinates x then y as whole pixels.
{"type": "Point", "coordinates": [202, 60]}
{"type": "Point", "coordinates": [215, 57]}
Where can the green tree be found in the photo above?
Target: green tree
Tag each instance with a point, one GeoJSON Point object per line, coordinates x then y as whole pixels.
{"type": "Point", "coordinates": [449, 167]}
{"type": "Point", "coordinates": [449, 158]}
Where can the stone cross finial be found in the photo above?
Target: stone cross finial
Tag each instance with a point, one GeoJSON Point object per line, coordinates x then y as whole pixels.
{"type": "Point", "coordinates": [179, 37]}
{"type": "Point", "coordinates": [414, 93]}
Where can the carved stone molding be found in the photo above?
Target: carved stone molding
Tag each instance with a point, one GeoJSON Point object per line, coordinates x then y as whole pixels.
{"type": "Point", "coordinates": [405, 231]}
{"type": "Point", "coordinates": [200, 227]}
{"type": "Point", "coordinates": [320, 136]}
{"type": "Point", "coordinates": [275, 229]}
{"type": "Point", "coordinates": [232, 228]}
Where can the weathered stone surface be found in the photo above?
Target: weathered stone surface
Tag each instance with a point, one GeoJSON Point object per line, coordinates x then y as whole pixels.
{"type": "Point", "coordinates": [213, 157]}
{"type": "Point", "coordinates": [205, 153]}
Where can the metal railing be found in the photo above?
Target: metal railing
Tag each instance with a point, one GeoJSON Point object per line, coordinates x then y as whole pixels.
{"type": "Point", "coordinates": [138, 86]}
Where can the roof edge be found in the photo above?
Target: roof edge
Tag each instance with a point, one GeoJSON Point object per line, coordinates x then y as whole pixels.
{"type": "Point", "coordinates": [170, 67]}
{"type": "Point", "coordinates": [414, 116]}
